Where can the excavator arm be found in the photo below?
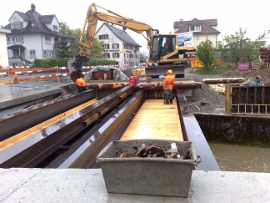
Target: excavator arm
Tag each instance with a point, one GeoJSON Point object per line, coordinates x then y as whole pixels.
{"type": "Point", "coordinates": [90, 25]}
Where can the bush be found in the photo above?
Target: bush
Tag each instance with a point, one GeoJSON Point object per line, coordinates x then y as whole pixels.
{"type": "Point", "coordinates": [41, 63]}
{"type": "Point", "coordinates": [62, 62]}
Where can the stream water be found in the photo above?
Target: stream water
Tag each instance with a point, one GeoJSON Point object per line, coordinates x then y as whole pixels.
{"type": "Point", "coordinates": [241, 158]}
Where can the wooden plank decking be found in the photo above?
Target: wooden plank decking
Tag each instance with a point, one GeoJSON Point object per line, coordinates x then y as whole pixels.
{"type": "Point", "coordinates": [155, 120]}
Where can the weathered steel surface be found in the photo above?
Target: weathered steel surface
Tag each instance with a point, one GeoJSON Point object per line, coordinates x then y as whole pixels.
{"type": "Point", "coordinates": [223, 80]}
{"type": "Point", "coordinates": [107, 85]}
{"type": "Point", "coordinates": [143, 85]}
{"type": "Point", "coordinates": [19, 123]}
{"type": "Point", "coordinates": [83, 154]}
{"type": "Point", "coordinates": [192, 132]}
{"type": "Point", "coordinates": [177, 85]}
{"type": "Point", "coordinates": [32, 150]}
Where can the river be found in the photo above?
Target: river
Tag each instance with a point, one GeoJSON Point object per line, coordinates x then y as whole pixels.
{"type": "Point", "coordinates": [241, 158]}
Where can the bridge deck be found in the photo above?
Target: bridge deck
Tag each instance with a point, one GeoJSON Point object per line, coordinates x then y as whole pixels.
{"type": "Point", "coordinates": [155, 120]}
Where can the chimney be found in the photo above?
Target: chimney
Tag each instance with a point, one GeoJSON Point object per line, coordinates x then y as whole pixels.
{"type": "Point", "coordinates": [33, 7]}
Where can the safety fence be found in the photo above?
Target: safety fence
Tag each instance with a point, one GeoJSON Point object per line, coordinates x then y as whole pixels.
{"type": "Point", "coordinates": [39, 73]}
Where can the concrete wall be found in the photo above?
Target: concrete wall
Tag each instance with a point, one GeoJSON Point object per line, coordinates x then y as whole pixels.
{"type": "Point", "coordinates": [3, 49]}
{"type": "Point", "coordinates": [246, 130]}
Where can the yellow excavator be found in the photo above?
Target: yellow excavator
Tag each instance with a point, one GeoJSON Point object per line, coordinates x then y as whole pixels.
{"type": "Point", "coordinates": [164, 51]}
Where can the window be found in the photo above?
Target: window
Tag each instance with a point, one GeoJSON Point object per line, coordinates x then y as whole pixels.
{"type": "Point", "coordinates": [106, 46]}
{"type": "Point", "coordinates": [47, 54]}
{"type": "Point", "coordinates": [55, 28]}
{"type": "Point", "coordinates": [194, 28]}
{"type": "Point", "coordinates": [17, 40]}
{"type": "Point", "coordinates": [47, 40]}
{"type": "Point", "coordinates": [115, 46]}
{"type": "Point", "coordinates": [197, 37]}
{"type": "Point", "coordinates": [103, 36]}
{"type": "Point", "coordinates": [16, 25]}
{"type": "Point", "coordinates": [116, 55]}
{"type": "Point", "coordinates": [8, 40]}
{"type": "Point", "coordinates": [106, 55]}
{"type": "Point", "coordinates": [32, 54]}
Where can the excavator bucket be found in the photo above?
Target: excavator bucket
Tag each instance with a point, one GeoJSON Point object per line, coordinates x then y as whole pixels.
{"type": "Point", "coordinates": [178, 70]}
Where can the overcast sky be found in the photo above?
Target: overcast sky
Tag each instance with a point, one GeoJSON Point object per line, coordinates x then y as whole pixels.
{"type": "Point", "coordinates": [231, 14]}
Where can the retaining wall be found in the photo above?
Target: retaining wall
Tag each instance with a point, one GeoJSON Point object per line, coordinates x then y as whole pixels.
{"type": "Point", "coordinates": [236, 129]}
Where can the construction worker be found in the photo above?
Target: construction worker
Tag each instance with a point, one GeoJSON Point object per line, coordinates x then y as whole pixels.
{"type": "Point", "coordinates": [81, 84]}
{"type": "Point", "coordinates": [15, 78]}
{"type": "Point", "coordinates": [258, 82]}
{"type": "Point", "coordinates": [168, 87]}
{"type": "Point", "coordinates": [148, 79]}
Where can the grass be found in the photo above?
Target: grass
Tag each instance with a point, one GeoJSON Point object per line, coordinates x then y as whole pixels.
{"type": "Point", "coordinates": [217, 70]}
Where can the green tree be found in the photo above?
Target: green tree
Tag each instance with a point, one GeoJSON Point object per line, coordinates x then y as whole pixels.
{"type": "Point", "coordinates": [97, 47]}
{"type": "Point", "coordinates": [65, 29]}
{"type": "Point", "coordinates": [206, 54]}
{"type": "Point", "coordinates": [142, 58]}
{"type": "Point", "coordinates": [63, 49]}
{"type": "Point", "coordinates": [231, 46]}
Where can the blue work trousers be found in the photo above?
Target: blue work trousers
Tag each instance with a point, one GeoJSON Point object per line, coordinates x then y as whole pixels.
{"type": "Point", "coordinates": [168, 95]}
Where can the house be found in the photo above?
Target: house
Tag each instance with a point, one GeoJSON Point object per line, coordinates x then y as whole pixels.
{"type": "Point", "coordinates": [119, 45]}
{"type": "Point", "coordinates": [3, 47]}
{"type": "Point", "coordinates": [32, 36]}
{"type": "Point", "coordinates": [202, 30]}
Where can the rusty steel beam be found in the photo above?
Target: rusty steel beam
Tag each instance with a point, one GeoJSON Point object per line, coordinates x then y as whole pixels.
{"type": "Point", "coordinates": [19, 123]}
{"type": "Point", "coordinates": [223, 80]}
{"type": "Point", "coordinates": [32, 150]}
{"type": "Point", "coordinates": [177, 85]}
{"type": "Point", "coordinates": [192, 132]}
{"type": "Point", "coordinates": [83, 154]}
{"type": "Point", "coordinates": [106, 85]}
{"type": "Point", "coordinates": [144, 85]}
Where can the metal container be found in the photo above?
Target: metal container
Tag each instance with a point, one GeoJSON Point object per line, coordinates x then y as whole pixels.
{"type": "Point", "coordinates": [147, 176]}
{"type": "Point", "coordinates": [243, 66]}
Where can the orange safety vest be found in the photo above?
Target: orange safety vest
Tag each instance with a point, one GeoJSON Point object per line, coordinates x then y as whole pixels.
{"type": "Point", "coordinates": [168, 82]}
{"type": "Point", "coordinates": [80, 82]}
{"type": "Point", "coordinates": [166, 45]}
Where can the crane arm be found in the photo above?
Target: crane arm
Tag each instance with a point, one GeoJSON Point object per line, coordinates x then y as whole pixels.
{"type": "Point", "coordinates": [90, 25]}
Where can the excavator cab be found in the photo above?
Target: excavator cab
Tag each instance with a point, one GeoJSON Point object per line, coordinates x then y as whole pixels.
{"type": "Point", "coordinates": [166, 54]}
{"type": "Point", "coordinates": [162, 45]}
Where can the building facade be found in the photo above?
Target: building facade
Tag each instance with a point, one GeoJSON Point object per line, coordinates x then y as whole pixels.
{"type": "Point", "coordinates": [32, 36]}
{"type": "Point", "coordinates": [3, 47]}
{"type": "Point", "coordinates": [202, 30]}
{"type": "Point", "coordinates": [119, 46]}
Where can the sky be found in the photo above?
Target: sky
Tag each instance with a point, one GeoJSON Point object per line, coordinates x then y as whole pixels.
{"type": "Point", "coordinates": [231, 14]}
